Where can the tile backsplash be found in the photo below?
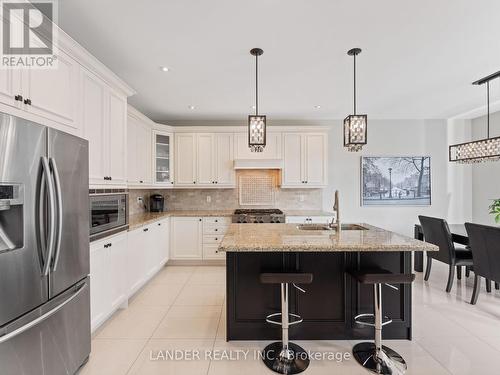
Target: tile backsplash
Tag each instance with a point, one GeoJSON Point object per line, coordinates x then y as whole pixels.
{"type": "Point", "coordinates": [228, 199]}
{"type": "Point", "coordinates": [225, 199]}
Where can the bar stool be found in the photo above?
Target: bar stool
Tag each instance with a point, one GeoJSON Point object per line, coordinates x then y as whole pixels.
{"type": "Point", "coordinates": [283, 356]}
{"type": "Point", "coordinates": [374, 356]}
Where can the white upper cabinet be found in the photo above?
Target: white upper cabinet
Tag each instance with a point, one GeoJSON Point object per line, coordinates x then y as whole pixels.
{"type": "Point", "coordinates": [93, 118]}
{"type": "Point", "coordinates": [53, 93]}
{"type": "Point", "coordinates": [315, 159]}
{"type": "Point", "coordinates": [204, 160]}
{"type": "Point", "coordinates": [139, 151]}
{"type": "Point", "coordinates": [117, 116]}
{"type": "Point", "coordinates": [292, 168]}
{"type": "Point", "coordinates": [224, 160]}
{"type": "Point", "coordinates": [305, 160]}
{"type": "Point", "coordinates": [10, 87]}
{"type": "Point", "coordinates": [163, 156]}
{"type": "Point", "coordinates": [104, 125]}
{"type": "Point", "coordinates": [56, 96]}
{"type": "Point", "coordinates": [185, 159]}
{"type": "Point", "coordinates": [271, 151]}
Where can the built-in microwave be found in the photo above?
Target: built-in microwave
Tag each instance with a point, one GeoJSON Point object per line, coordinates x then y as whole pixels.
{"type": "Point", "coordinates": [108, 214]}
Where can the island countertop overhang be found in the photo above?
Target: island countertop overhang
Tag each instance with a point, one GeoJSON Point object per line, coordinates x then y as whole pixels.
{"type": "Point", "coordinates": [289, 238]}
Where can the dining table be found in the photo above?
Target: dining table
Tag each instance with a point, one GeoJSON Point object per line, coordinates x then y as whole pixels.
{"type": "Point", "coordinates": [458, 235]}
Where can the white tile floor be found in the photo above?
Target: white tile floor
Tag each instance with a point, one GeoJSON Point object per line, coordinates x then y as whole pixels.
{"type": "Point", "coordinates": [183, 308]}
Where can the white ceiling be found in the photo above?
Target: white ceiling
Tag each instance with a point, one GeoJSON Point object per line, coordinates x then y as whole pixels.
{"type": "Point", "coordinates": [418, 61]}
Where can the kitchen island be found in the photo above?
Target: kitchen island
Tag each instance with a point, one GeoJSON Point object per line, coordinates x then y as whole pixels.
{"type": "Point", "coordinates": [333, 299]}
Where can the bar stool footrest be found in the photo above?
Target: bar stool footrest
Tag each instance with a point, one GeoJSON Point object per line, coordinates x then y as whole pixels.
{"type": "Point", "coordinates": [293, 319]}
{"type": "Point", "coordinates": [369, 320]}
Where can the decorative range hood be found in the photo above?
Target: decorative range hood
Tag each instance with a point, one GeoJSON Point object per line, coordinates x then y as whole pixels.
{"type": "Point", "coordinates": [258, 164]}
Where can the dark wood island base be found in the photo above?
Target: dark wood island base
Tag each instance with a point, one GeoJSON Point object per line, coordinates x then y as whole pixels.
{"type": "Point", "coordinates": [330, 303]}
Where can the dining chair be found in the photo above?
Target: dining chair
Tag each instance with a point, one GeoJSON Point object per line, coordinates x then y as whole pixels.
{"type": "Point", "coordinates": [437, 232]}
{"type": "Point", "coordinates": [484, 242]}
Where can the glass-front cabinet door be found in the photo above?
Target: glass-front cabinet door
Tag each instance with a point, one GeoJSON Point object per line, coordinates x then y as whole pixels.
{"type": "Point", "coordinates": [163, 158]}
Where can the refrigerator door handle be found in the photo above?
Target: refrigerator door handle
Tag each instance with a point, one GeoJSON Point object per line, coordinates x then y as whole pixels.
{"type": "Point", "coordinates": [43, 317]}
{"type": "Point", "coordinates": [52, 215]}
{"type": "Point", "coordinates": [59, 205]}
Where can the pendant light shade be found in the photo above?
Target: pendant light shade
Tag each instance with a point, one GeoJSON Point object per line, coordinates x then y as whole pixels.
{"type": "Point", "coordinates": [355, 126]}
{"type": "Point", "coordinates": [256, 123]}
{"type": "Point", "coordinates": [487, 149]}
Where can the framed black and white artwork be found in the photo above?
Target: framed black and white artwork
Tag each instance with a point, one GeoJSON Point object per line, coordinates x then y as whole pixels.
{"type": "Point", "coordinates": [396, 181]}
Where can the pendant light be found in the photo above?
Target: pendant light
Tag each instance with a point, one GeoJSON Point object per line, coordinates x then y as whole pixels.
{"type": "Point", "coordinates": [355, 126]}
{"type": "Point", "coordinates": [256, 123]}
{"type": "Point", "coordinates": [487, 149]}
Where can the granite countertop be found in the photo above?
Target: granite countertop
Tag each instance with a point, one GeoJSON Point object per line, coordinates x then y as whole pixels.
{"type": "Point", "coordinates": [307, 213]}
{"type": "Point", "coordinates": [143, 218]}
{"type": "Point", "coordinates": [287, 237]}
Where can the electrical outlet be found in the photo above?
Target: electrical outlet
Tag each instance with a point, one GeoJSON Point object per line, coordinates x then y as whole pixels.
{"type": "Point", "coordinates": [301, 198]}
{"type": "Point", "coordinates": [209, 199]}
{"type": "Point", "coordinates": [140, 200]}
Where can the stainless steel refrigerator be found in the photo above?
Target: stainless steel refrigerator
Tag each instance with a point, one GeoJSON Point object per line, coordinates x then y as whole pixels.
{"type": "Point", "coordinates": [44, 250]}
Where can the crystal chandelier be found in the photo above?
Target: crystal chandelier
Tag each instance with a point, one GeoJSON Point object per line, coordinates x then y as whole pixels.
{"type": "Point", "coordinates": [355, 126]}
{"type": "Point", "coordinates": [487, 149]}
{"type": "Point", "coordinates": [256, 123]}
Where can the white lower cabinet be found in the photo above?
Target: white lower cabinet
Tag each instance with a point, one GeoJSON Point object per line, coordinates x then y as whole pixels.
{"type": "Point", "coordinates": [147, 252]}
{"type": "Point", "coordinates": [186, 242]}
{"type": "Point", "coordinates": [309, 219]}
{"type": "Point", "coordinates": [122, 264]}
{"type": "Point", "coordinates": [196, 238]}
{"type": "Point", "coordinates": [108, 274]}
{"type": "Point", "coordinates": [214, 229]}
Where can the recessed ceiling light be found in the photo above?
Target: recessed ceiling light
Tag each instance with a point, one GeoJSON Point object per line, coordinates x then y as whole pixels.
{"type": "Point", "coordinates": [164, 68]}
{"type": "Point", "coordinates": [191, 107]}
{"type": "Point", "coordinates": [317, 106]}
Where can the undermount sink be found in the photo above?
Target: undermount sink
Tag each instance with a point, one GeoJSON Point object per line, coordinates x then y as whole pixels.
{"type": "Point", "coordinates": [327, 227]}
{"type": "Point", "coordinates": [352, 227]}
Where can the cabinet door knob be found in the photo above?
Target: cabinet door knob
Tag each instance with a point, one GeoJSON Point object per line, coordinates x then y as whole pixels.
{"type": "Point", "coordinates": [145, 229]}
{"type": "Point", "coordinates": [159, 224]}
{"type": "Point", "coordinates": [110, 178]}
{"type": "Point", "coordinates": [199, 219]}
{"type": "Point", "coordinates": [194, 182]}
{"type": "Point", "coordinates": [18, 98]}
{"type": "Point", "coordinates": [216, 230]}
{"type": "Point", "coordinates": [27, 101]}
{"type": "Point", "coordinates": [216, 238]}
{"type": "Point", "coordinates": [141, 181]}
{"type": "Point", "coordinates": [216, 220]}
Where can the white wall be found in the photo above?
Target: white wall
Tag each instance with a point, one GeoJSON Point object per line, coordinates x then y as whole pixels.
{"type": "Point", "coordinates": [485, 176]}
{"type": "Point", "coordinates": [450, 189]}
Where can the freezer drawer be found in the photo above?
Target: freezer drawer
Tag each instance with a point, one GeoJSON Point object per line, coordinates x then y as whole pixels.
{"type": "Point", "coordinates": [57, 338]}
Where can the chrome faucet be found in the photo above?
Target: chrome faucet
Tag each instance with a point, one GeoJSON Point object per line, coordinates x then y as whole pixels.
{"type": "Point", "coordinates": [336, 220]}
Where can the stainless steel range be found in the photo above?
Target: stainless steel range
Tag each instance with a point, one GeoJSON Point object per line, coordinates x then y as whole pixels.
{"type": "Point", "coordinates": [265, 215]}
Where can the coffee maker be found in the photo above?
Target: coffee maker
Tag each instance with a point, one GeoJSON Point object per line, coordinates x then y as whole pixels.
{"type": "Point", "coordinates": [156, 203]}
